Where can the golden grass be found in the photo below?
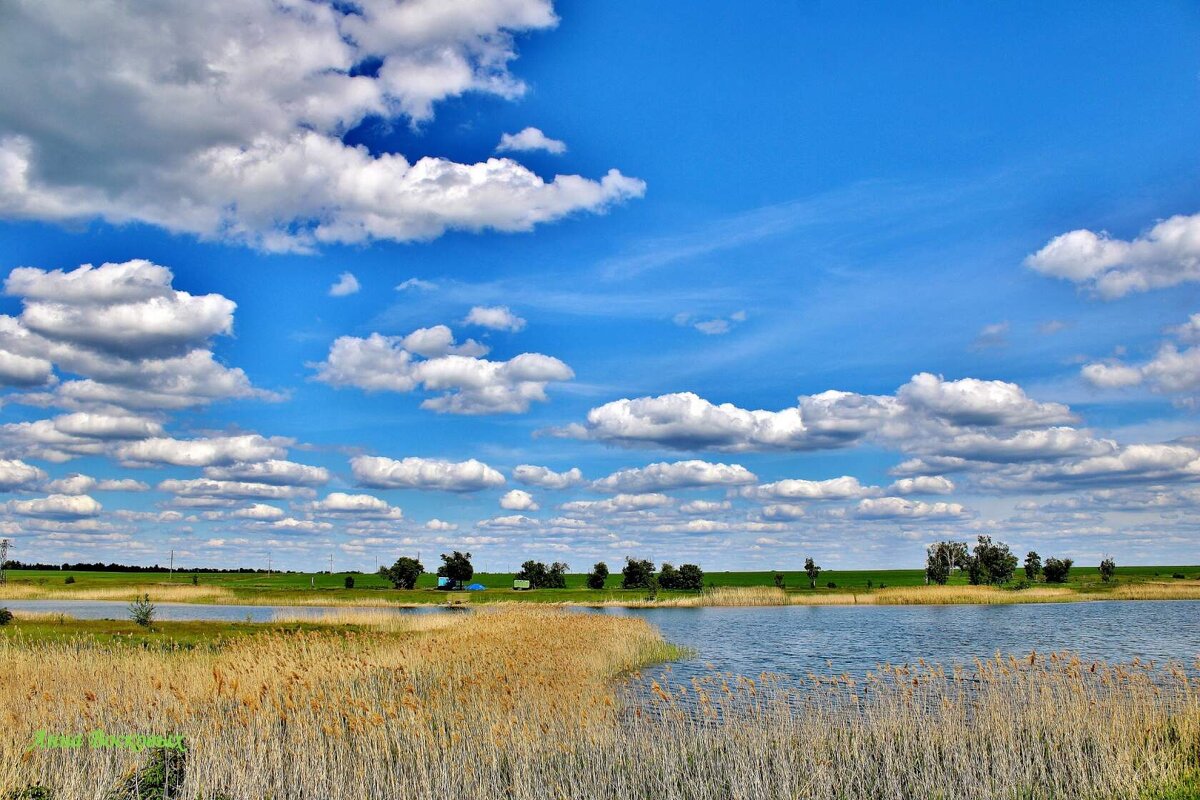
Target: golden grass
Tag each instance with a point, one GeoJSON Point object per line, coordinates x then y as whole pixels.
{"type": "Point", "coordinates": [1153, 590]}
{"type": "Point", "coordinates": [378, 619]}
{"type": "Point", "coordinates": [519, 703]}
{"type": "Point", "coordinates": [159, 593]}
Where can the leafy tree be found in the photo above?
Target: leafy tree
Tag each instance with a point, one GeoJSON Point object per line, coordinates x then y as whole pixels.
{"type": "Point", "coordinates": [556, 576]}
{"type": "Point", "coordinates": [69, 579]}
{"type": "Point", "coordinates": [637, 574]}
{"type": "Point", "coordinates": [668, 577]}
{"type": "Point", "coordinates": [1056, 570]}
{"type": "Point", "coordinates": [1033, 565]}
{"type": "Point", "coordinates": [1108, 568]}
{"type": "Point", "coordinates": [542, 577]}
{"type": "Point", "coordinates": [457, 567]}
{"type": "Point", "coordinates": [691, 578]}
{"type": "Point", "coordinates": [598, 575]}
{"type": "Point", "coordinates": [142, 611]}
{"type": "Point", "coordinates": [991, 563]}
{"type": "Point", "coordinates": [404, 573]}
{"type": "Point", "coordinates": [942, 558]}
{"type": "Point", "coordinates": [349, 582]}
{"type": "Point", "coordinates": [778, 580]}
{"type": "Point", "coordinates": [813, 572]}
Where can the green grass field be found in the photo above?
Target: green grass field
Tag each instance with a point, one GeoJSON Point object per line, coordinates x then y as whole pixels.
{"type": "Point", "coordinates": [284, 588]}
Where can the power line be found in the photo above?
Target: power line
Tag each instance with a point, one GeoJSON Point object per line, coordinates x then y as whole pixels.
{"type": "Point", "coordinates": [4, 545]}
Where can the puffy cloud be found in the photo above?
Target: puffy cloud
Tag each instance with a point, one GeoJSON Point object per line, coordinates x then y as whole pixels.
{"type": "Point", "coordinates": [976, 402]}
{"type": "Point", "coordinates": [122, 485]}
{"type": "Point", "coordinates": [424, 473]}
{"type": "Point", "coordinates": [234, 126]}
{"type": "Point", "coordinates": [704, 506]}
{"type": "Point", "coordinates": [71, 435]}
{"type": "Point", "coordinates": [923, 484]}
{"type": "Point", "coordinates": [132, 339]}
{"type": "Point", "coordinates": [1111, 376]}
{"type": "Point", "coordinates": [346, 284]}
{"type": "Point", "coordinates": [547, 478]}
{"type": "Point", "coordinates": [1166, 255]}
{"type": "Point", "coordinates": [900, 508]}
{"type": "Point", "coordinates": [677, 475]}
{"type": "Point", "coordinates": [204, 488]}
{"type": "Point", "coordinates": [16, 474]}
{"type": "Point", "coordinates": [56, 506]}
{"type": "Point", "coordinates": [273, 471]}
{"type": "Point", "coordinates": [1131, 464]}
{"type": "Point", "coordinates": [440, 525]}
{"type": "Point", "coordinates": [530, 139]}
{"type": "Point", "coordinates": [619, 504]}
{"type": "Point", "coordinates": [260, 512]}
{"type": "Point", "coordinates": [514, 521]}
{"type": "Point", "coordinates": [518, 500]}
{"type": "Point", "coordinates": [843, 488]}
{"type": "Point", "coordinates": [213, 451]}
{"type": "Point", "coordinates": [498, 318]}
{"type": "Point", "coordinates": [469, 385]}
{"type": "Point", "coordinates": [293, 525]}
{"type": "Point", "coordinates": [1027, 445]}
{"type": "Point", "coordinates": [359, 505]}
{"type": "Point", "coordinates": [1172, 370]}
{"type": "Point", "coordinates": [783, 511]}
{"type": "Point", "coordinates": [75, 483]}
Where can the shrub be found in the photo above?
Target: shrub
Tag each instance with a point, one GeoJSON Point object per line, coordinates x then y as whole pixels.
{"type": "Point", "coordinates": [69, 579]}
{"type": "Point", "coordinates": [1178, 576]}
{"type": "Point", "coordinates": [637, 574]}
{"type": "Point", "coordinates": [37, 792]}
{"type": "Point", "coordinates": [831, 585]}
{"type": "Point", "coordinates": [598, 575]}
{"type": "Point", "coordinates": [1056, 571]}
{"type": "Point", "coordinates": [870, 583]}
{"type": "Point", "coordinates": [1108, 568]}
{"type": "Point", "coordinates": [142, 611]}
{"type": "Point", "coordinates": [778, 580]}
{"type": "Point", "coordinates": [5, 616]}
{"type": "Point", "coordinates": [195, 579]}
{"type": "Point", "coordinates": [403, 574]}
{"type": "Point", "coordinates": [349, 582]}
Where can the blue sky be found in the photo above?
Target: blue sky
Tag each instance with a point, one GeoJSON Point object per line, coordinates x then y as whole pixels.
{"type": "Point", "coordinates": [858, 280]}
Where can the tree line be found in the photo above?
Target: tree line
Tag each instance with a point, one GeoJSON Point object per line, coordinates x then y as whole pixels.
{"type": "Point", "coordinates": [637, 574]}
{"type": "Point", "coordinates": [993, 563]}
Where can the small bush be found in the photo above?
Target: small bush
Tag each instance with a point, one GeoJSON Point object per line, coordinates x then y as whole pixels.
{"type": "Point", "coordinates": [778, 580]}
{"type": "Point", "coordinates": [37, 792]}
{"type": "Point", "coordinates": [883, 586]}
{"type": "Point", "coordinates": [831, 585]}
{"type": "Point", "coordinates": [142, 611]}
{"type": "Point", "coordinates": [349, 582]}
{"type": "Point", "coordinates": [1178, 576]}
{"type": "Point", "coordinates": [870, 583]}
{"type": "Point", "coordinates": [195, 579]}
{"type": "Point", "coordinates": [5, 616]}
{"type": "Point", "coordinates": [70, 579]}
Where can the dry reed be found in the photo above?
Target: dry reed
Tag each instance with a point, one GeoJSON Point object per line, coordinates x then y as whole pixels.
{"type": "Point", "coordinates": [519, 703]}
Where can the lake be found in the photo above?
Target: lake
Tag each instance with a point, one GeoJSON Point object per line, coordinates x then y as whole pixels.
{"type": "Point", "coordinates": [796, 640]}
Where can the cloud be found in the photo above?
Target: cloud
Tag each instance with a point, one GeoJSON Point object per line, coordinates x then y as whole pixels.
{"type": "Point", "coordinates": [346, 284]}
{"type": "Point", "coordinates": [514, 521]}
{"type": "Point", "coordinates": [468, 385]}
{"type": "Point", "coordinates": [1131, 464]}
{"type": "Point", "coordinates": [704, 506]}
{"type": "Point", "coordinates": [530, 139]}
{"type": "Point", "coordinates": [923, 484]}
{"type": "Point", "coordinates": [619, 504]}
{"type": "Point", "coordinates": [205, 488]}
{"type": "Point", "coordinates": [899, 508]}
{"type": "Point", "coordinates": [16, 474]}
{"type": "Point", "coordinates": [233, 128]}
{"type": "Point", "coordinates": [498, 318]}
{"type": "Point", "coordinates": [440, 525]}
{"type": "Point", "coordinates": [546, 478]}
{"type": "Point", "coordinates": [378, 472]}
{"type": "Point", "coordinates": [710, 326]}
{"type": "Point", "coordinates": [215, 451]}
{"type": "Point", "coordinates": [415, 284]}
{"type": "Point", "coordinates": [260, 512]}
{"type": "Point", "coordinates": [994, 335]}
{"type": "Point", "coordinates": [783, 511]}
{"type": "Point", "coordinates": [1172, 370]}
{"type": "Point", "coordinates": [1166, 255]}
{"type": "Point", "coordinates": [276, 472]}
{"type": "Point", "coordinates": [518, 500]}
{"type": "Point", "coordinates": [358, 505]}
{"type": "Point", "coordinates": [677, 475]}
{"type": "Point", "coordinates": [122, 485]}
{"type": "Point", "coordinates": [843, 488]}
{"type": "Point", "coordinates": [132, 340]}
{"type": "Point", "coordinates": [56, 506]}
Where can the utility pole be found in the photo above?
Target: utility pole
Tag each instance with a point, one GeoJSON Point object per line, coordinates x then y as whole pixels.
{"type": "Point", "coordinates": [172, 579]}
{"type": "Point", "coordinates": [4, 544]}
{"type": "Point", "coordinates": [331, 563]}
{"type": "Point", "coordinates": [268, 562]}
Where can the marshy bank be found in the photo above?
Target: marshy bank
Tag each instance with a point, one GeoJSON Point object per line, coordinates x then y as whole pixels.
{"type": "Point", "coordinates": [525, 703]}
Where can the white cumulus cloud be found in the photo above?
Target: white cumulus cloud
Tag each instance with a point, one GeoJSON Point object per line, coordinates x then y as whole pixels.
{"type": "Point", "coordinates": [424, 473]}
{"type": "Point", "coordinates": [530, 139]}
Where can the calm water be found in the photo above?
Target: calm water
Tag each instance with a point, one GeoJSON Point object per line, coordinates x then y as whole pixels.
{"type": "Point", "coordinates": [796, 640]}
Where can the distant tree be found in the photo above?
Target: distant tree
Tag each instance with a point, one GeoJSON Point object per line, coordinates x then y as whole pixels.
{"type": "Point", "coordinates": [778, 580]}
{"type": "Point", "coordinates": [942, 558]}
{"type": "Point", "coordinates": [69, 579]}
{"type": "Point", "coordinates": [991, 563]}
{"type": "Point", "coordinates": [1056, 571]}
{"type": "Point", "coordinates": [668, 577]}
{"type": "Point", "coordinates": [142, 611]}
{"type": "Point", "coordinates": [195, 579]}
{"type": "Point", "coordinates": [456, 567]}
{"type": "Point", "coordinates": [1033, 565]}
{"type": "Point", "coordinates": [404, 573]}
{"type": "Point", "coordinates": [1108, 568]}
{"type": "Point", "coordinates": [556, 576]}
{"type": "Point", "coordinates": [637, 574]}
{"type": "Point", "coordinates": [5, 616]}
{"type": "Point", "coordinates": [691, 578]}
{"type": "Point", "coordinates": [813, 572]}
{"type": "Point", "coordinates": [349, 582]}
{"type": "Point", "coordinates": [534, 572]}
{"type": "Point", "coordinates": [598, 575]}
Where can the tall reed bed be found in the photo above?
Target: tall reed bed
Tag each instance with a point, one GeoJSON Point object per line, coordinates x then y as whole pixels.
{"type": "Point", "coordinates": [521, 703]}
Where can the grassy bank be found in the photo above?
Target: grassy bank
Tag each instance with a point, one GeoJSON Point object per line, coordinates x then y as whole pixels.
{"type": "Point", "coordinates": [520, 702]}
{"type": "Point", "coordinates": [1131, 583]}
